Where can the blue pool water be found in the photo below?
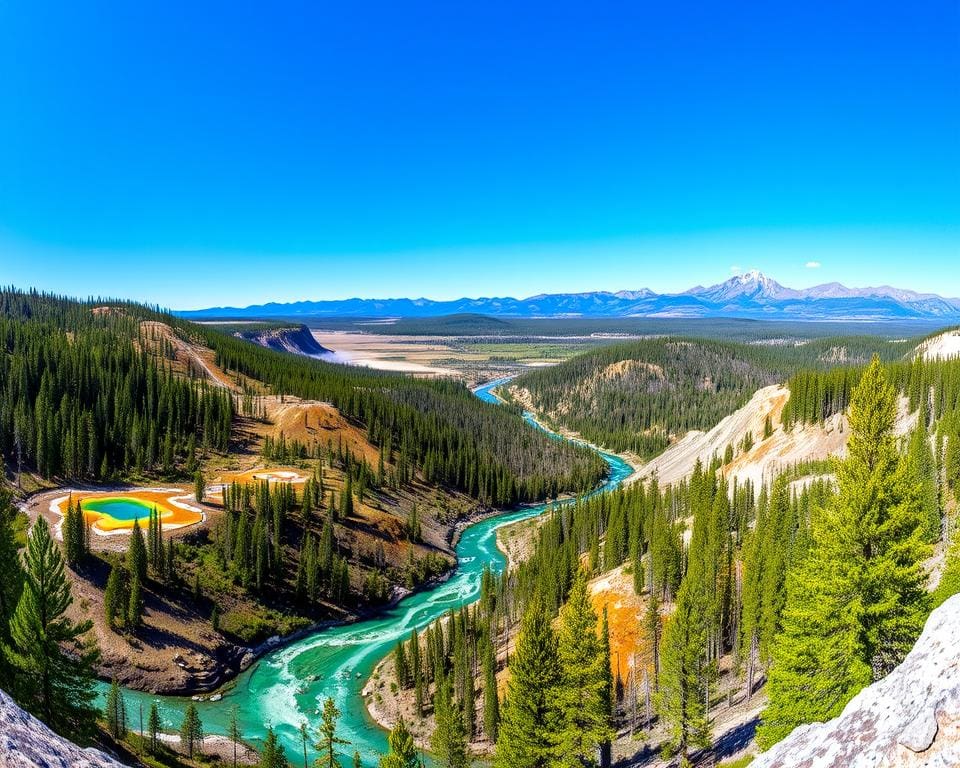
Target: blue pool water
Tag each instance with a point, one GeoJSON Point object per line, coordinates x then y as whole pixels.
{"type": "Point", "coordinates": [118, 509]}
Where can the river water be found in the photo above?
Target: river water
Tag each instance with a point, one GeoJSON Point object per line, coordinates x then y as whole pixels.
{"type": "Point", "coordinates": [288, 685]}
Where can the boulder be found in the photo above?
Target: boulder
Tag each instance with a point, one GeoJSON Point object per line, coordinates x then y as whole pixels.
{"type": "Point", "coordinates": [25, 742]}
{"type": "Point", "coordinates": [909, 719]}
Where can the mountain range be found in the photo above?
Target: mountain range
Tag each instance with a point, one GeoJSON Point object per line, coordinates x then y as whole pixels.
{"type": "Point", "coordinates": [750, 295]}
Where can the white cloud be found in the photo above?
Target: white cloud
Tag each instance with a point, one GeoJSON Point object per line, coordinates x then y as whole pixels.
{"type": "Point", "coordinates": [813, 265]}
{"type": "Point", "coordinates": [735, 269]}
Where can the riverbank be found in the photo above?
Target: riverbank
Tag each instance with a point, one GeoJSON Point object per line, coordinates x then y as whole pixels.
{"type": "Point", "coordinates": [292, 679]}
{"type": "Point", "coordinates": [524, 400]}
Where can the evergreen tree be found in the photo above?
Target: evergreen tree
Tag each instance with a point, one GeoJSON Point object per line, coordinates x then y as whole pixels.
{"type": "Point", "coordinates": [153, 727]}
{"type": "Point", "coordinates": [272, 755]}
{"type": "Point", "coordinates": [529, 717]}
{"type": "Point", "coordinates": [449, 741]}
{"type": "Point", "coordinates": [11, 585]}
{"type": "Point", "coordinates": [923, 468]}
{"type": "Point", "coordinates": [170, 563]}
{"type": "Point", "coordinates": [137, 553]}
{"type": "Point", "coordinates": [135, 605]}
{"type": "Point", "coordinates": [113, 597]}
{"type": "Point", "coordinates": [72, 530]}
{"type": "Point", "coordinates": [683, 669]}
{"type": "Point", "coordinates": [491, 701]}
{"type": "Point", "coordinates": [199, 487]}
{"type": "Point", "coordinates": [115, 712]}
{"type": "Point", "coordinates": [402, 751]}
{"type": "Point", "coordinates": [191, 731]}
{"type": "Point", "coordinates": [653, 631]}
{"type": "Point", "coordinates": [234, 733]}
{"type": "Point", "coordinates": [856, 601]}
{"type": "Point", "coordinates": [400, 662]}
{"type": "Point", "coordinates": [60, 691]}
{"type": "Point", "coordinates": [328, 741]}
{"type": "Point", "coordinates": [583, 696]}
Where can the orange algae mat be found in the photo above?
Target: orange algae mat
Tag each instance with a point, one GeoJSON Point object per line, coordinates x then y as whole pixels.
{"type": "Point", "coordinates": [272, 475]}
{"type": "Point", "coordinates": [116, 511]}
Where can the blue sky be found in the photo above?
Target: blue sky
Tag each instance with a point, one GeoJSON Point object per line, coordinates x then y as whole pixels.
{"type": "Point", "coordinates": [201, 154]}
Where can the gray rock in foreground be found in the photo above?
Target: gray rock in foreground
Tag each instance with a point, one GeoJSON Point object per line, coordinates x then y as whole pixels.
{"type": "Point", "coordinates": [25, 742]}
{"type": "Point", "coordinates": [909, 719]}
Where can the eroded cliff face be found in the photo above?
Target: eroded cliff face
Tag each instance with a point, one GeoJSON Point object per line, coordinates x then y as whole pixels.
{"type": "Point", "coordinates": [297, 340]}
{"type": "Point", "coordinates": [25, 742]}
{"type": "Point", "coordinates": [910, 718]}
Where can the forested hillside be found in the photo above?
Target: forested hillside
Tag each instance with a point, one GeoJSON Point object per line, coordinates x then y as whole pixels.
{"type": "Point", "coordinates": [816, 586]}
{"type": "Point", "coordinates": [638, 396]}
{"type": "Point", "coordinates": [87, 393]}
{"type": "Point", "coordinates": [437, 426]}
{"type": "Point", "coordinates": [83, 396]}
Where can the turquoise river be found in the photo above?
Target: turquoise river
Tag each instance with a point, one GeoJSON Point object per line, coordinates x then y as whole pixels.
{"type": "Point", "coordinates": [287, 686]}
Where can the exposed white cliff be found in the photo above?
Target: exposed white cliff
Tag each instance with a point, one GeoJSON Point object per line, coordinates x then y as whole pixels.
{"type": "Point", "coordinates": [909, 719]}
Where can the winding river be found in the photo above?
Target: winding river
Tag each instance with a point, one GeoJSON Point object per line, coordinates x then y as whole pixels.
{"type": "Point", "coordinates": [288, 685]}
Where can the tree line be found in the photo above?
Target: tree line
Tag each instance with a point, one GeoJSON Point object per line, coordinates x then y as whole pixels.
{"type": "Point", "coordinates": [638, 396]}
{"type": "Point", "coordinates": [438, 426]}
{"type": "Point", "coordinates": [81, 397]}
{"type": "Point", "coordinates": [816, 586]}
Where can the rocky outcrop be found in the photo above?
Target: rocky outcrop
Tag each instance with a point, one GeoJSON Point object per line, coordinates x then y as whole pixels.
{"type": "Point", "coordinates": [909, 719]}
{"type": "Point", "coordinates": [297, 340]}
{"type": "Point", "coordinates": [25, 742]}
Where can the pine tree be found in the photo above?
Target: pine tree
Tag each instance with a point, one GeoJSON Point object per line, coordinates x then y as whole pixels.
{"type": "Point", "coordinates": [491, 701]}
{"type": "Point", "coordinates": [170, 563]}
{"type": "Point", "coordinates": [11, 584]}
{"type": "Point", "coordinates": [683, 671]}
{"type": "Point", "coordinates": [234, 733]}
{"type": "Point", "coordinates": [402, 751]}
{"type": "Point", "coordinates": [113, 605]}
{"type": "Point", "coordinates": [199, 487]}
{"type": "Point", "coordinates": [856, 601]}
{"type": "Point", "coordinates": [529, 717]}
{"type": "Point", "coordinates": [61, 685]}
{"type": "Point", "coordinates": [72, 530]}
{"type": "Point", "coordinates": [400, 663]}
{"type": "Point", "coordinates": [416, 671]}
{"type": "Point", "coordinates": [137, 553]}
{"type": "Point", "coordinates": [923, 469]}
{"type": "Point", "coordinates": [153, 727]}
{"type": "Point", "coordinates": [135, 605]}
{"type": "Point", "coordinates": [583, 696]}
{"type": "Point", "coordinates": [272, 755]}
{"type": "Point", "coordinates": [449, 741]}
{"type": "Point", "coordinates": [346, 499]}
{"type": "Point", "coordinates": [115, 712]}
{"type": "Point", "coordinates": [328, 741]}
{"type": "Point", "coordinates": [191, 731]}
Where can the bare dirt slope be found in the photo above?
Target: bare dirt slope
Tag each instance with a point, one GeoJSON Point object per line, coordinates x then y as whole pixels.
{"type": "Point", "coordinates": [767, 457]}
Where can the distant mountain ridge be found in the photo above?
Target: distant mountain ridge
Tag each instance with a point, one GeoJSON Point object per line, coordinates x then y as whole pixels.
{"type": "Point", "coordinates": [750, 295]}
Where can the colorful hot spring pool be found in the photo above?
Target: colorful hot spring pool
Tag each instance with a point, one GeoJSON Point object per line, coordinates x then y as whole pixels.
{"type": "Point", "coordinates": [116, 512]}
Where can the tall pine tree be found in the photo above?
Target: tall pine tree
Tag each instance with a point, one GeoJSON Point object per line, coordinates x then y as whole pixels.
{"type": "Point", "coordinates": [60, 689]}
{"type": "Point", "coordinates": [856, 600]}
{"type": "Point", "coordinates": [529, 717]}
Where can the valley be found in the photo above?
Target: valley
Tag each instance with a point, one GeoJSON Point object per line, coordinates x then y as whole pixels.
{"type": "Point", "coordinates": [290, 564]}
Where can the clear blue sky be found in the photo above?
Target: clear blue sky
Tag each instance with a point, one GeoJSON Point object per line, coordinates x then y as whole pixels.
{"type": "Point", "coordinates": [198, 154]}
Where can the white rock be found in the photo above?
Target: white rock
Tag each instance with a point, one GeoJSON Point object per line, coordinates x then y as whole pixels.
{"type": "Point", "coordinates": [25, 742]}
{"type": "Point", "coordinates": [909, 719]}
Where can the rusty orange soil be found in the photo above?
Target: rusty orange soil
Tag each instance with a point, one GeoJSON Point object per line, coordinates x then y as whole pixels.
{"type": "Point", "coordinates": [171, 515]}
{"type": "Point", "coordinates": [270, 474]}
{"type": "Point", "coordinates": [625, 612]}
